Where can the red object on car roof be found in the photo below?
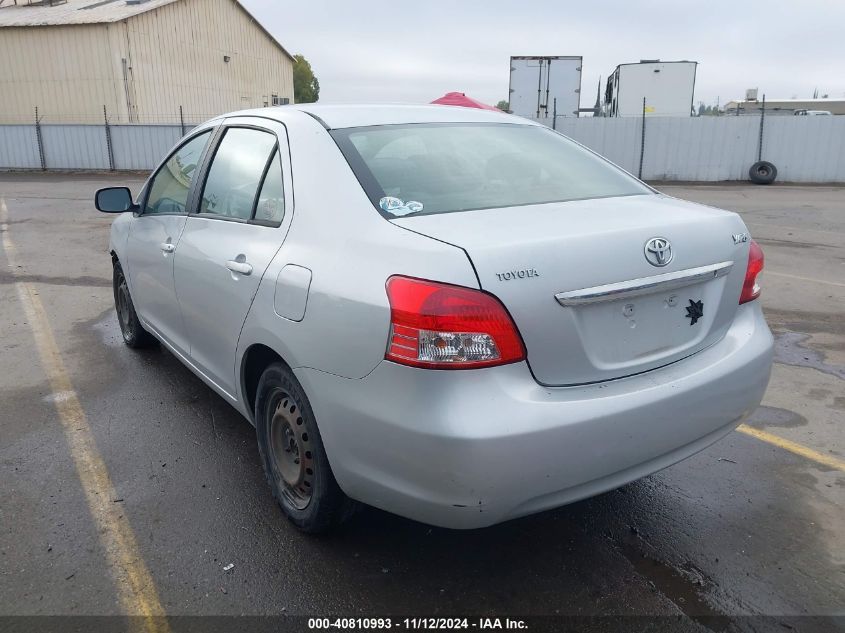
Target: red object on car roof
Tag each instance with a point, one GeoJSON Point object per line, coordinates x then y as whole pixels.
{"type": "Point", "coordinates": [460, 99]}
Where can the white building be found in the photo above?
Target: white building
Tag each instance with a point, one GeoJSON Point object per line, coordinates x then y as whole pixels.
{"type": "Point", "coordinates": [785, 106]}
{"type": "Point", "coordinates": [141, 59]}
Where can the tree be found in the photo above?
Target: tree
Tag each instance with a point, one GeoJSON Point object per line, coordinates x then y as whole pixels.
{"type": "Point", "coordinates": [306, 88]}
{"type": "Point", "coordinates": [503, 105]}
{"type": "Point", "coordinates": [708, 110]}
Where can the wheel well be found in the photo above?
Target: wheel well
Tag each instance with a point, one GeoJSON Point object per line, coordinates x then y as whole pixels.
{"type": "Point", "coordinates": [256, 359]}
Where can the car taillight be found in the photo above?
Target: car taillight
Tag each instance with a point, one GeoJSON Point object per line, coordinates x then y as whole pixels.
{"type": "Point", "coordinates": [440, 326]}
{"type": "Point", "coordinates": [750, 288]}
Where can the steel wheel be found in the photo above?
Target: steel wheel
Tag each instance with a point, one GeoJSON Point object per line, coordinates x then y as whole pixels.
{"type": "Point", "coordinates": [134, 334]}
{"type": "Point", "coordinates": [292, 451]}
{"type": "Point", "coordinates": [292, 454]}
{"type": "Point", "coordinates": [124, 305]}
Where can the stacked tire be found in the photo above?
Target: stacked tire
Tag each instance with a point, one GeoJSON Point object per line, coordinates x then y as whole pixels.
{"type": "Point", "coordinates": [763, 173]}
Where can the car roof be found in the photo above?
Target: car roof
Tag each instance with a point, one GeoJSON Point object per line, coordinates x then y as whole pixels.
{"type": "Point", "coordinates": [361, 115]}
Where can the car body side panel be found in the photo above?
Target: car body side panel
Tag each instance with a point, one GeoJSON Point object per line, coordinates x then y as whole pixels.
{"type": "Point", "coordinates": [351, 251]}
{"type": "Point", "coordinates": [214, 299]}
{"type": "Point", "coordinates": [121, 228]}
{"type": "Point", "coordinates": [153, 289]}
{"type": "Point", "coordinates": [119, 235]}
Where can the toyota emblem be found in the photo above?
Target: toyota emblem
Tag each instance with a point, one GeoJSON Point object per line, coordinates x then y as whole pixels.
{"type": "Point", "coordinates": [658, 251]}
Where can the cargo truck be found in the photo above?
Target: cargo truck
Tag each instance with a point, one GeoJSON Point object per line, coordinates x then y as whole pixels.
{"type": "Point", "coordinates": [541, 87]}
{"type": "Point", "coordinates": [668, 89]}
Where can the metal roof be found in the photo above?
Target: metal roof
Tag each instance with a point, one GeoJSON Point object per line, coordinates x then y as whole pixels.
{"type": "Point", "coordinates": [73, 12]}
{"type": "Point", "coordinates": [42, 13]}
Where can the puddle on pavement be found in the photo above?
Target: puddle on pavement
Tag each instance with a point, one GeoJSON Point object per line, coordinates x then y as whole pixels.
{"type": "Point", "coordinates": [772, 416]}
{"type": "Point", "coordinates": [685, 586]}
{"type": "Point", "coordinates": [108, 330]}
{"type": "Point", "coordinates": [805, 322]}
{"type": "Point", "coordinates": [790, 350]}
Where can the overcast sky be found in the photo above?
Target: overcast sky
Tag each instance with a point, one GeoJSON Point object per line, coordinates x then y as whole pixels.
{"type": "Point", "coordinates": [403, 51]}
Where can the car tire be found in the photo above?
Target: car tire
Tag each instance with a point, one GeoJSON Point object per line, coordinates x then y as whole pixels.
{"type": "Point", "coordinates": [293, 456]}
{"type": "Point", "coordinates": [134, 334]}
{"type": "Point", "coordinates": [763, 172]}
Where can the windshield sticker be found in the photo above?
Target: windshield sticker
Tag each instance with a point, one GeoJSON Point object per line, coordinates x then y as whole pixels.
{"type": "Point", "coordinates": [399, 207]}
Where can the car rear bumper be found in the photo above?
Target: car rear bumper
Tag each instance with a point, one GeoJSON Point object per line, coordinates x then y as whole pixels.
{"type": "Point", "coordinates": [467, 449]}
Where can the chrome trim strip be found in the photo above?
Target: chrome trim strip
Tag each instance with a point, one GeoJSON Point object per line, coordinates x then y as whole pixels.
{"type": "Point", "coordinates": [643, 285]}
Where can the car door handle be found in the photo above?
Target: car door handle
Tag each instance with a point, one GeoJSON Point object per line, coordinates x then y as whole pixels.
{"type": "Point", "coordinates": [167, 247]}
{"type": "Point", "coordinates": [239, 267]}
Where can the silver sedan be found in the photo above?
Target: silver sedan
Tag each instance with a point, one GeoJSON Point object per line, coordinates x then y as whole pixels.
{"type": "Point", "coordinates": [455, 315]}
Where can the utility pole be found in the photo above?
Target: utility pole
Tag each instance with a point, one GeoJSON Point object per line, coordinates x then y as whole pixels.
{"type": "Point", "coordinates": [598, 99]}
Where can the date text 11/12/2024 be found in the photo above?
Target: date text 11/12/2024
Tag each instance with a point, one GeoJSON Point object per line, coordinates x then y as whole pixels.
{"type": "Point", "coordinates": [416, 623]}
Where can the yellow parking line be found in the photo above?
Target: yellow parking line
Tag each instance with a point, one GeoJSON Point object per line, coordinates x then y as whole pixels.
{"type": "Point", "coordinates": [135, 587]}
{"type": "Point", "coordinates": [793, 447]}
{"type": "Point", "coordinates": [815, 281]}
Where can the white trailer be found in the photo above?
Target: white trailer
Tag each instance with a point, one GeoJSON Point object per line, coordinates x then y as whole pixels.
{"type": "Point", "coordinates": [667, 87]}
{"type": "Point", "coordinates": [539, 86]}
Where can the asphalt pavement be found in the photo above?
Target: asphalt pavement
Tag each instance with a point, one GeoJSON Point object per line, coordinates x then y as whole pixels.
{"type": "Point", "coordinates": [753, 526]}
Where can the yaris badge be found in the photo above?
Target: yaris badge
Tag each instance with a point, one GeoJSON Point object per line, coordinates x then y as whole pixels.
{"type": "Point", "coordinates": [658, 251]}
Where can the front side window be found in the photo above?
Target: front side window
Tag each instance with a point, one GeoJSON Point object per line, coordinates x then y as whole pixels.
{"type": "Point", "coordinates": [430, 168]}
{"type": "Point", "coordinates": [170, 187]}
{"type": "Point", "coordinates": [235, 173]}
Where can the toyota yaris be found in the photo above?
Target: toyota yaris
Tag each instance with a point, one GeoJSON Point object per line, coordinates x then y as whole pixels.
{"type": "Point", "coordinates": [455, 315]}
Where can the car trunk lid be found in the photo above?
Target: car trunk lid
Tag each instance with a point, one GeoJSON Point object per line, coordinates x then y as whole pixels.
{"type": "Point", "coordinates": [588, 303]}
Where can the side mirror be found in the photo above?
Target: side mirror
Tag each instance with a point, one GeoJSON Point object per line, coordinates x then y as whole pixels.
{"type": "Point", "coordinates": [114, 200]}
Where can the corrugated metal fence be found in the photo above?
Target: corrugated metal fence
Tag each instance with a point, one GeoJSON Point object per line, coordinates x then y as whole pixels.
{"type": "Point", "coordinates": [85, 146]}
{"type": "Point", "coordinates": [804, 149]}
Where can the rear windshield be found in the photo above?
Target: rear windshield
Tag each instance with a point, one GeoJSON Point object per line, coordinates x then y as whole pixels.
{"type": "Point", "coordinates": [420, 169]}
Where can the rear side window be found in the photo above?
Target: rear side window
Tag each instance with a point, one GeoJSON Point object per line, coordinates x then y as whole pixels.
{"type": "Point", "coordinates": [270, 207]}
{"type": "Point", "coordinates": [236, 171]}
{"type": "Point", "coordinates": [430, 168]}
{"type": "Point", "coordinates": [170, 186]}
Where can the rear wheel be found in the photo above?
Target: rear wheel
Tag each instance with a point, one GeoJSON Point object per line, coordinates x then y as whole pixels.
{"type": "Point", "coordinates": [293, 456]}
{"type": "Point", "coordinates": [134, 334]}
